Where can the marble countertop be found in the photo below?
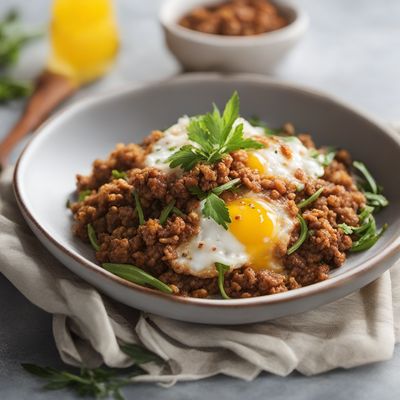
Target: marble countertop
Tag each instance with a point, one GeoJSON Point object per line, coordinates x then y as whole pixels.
{"type": "Point", "coordinates": [351, 50]}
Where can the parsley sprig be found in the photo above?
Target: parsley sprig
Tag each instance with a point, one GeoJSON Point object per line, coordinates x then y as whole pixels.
{"type": "Point", "coordinates": [212, 205]}
{"type": "Point", "coordinates": [213, 136]}
{"type": "Point", "coordinates": [99, 383]}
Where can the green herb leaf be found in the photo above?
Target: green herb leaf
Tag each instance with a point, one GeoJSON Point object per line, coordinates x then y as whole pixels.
{"type": "Point", "coordinates": [215, 208]}
{"type": "Point", "coordinates": [136, 275]}
{"type": "Point", "coordinates": [12, 39]}
{"type": "Point", "coordinates": [11, 89]}
{"type": "Point", "coordinates": [376, 200]}
{"type": "Point", "coordinates": [222, 269]}
{"type": "Point", "coordinates": [83, 194]}
{"type": "Point", "coordinates": [139, 208]}
{"type": "Point", "coordinates": [324, 158]}
{"type": "Point", "coordinates": [166, 211]}
{"type": "Point", "coordinates": [256, 121]}
{"type": "Point", "coordinates": [99, 383]}
{"type": "Point", "coordinates": [140, 354]}
{"type": "Point", "coordinates": [196, 191]}
{"type": "Point", "coordinates": [368, 240]}
{"type": "Point", "coordinates": [118, 174]}
{"type": "Point", "coordinates": [368, 177]}
{"type": "Point", "coordinates": [226, 186]}
{"type": "Point", "coordinates": [310, 199]}
{"type": "Point", "coordinates": [372, 191]}
{"type": "Point", "coordinates": [213, 136]}
{"type": "Point", "coordinates": [92, 237]}
{"type": "Point", "coordinates": [302, 236]}
{"type": "Point", "coordinates": [178, 212]}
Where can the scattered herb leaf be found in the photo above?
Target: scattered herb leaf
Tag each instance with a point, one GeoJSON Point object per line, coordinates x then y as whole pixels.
{"type": "Point", "coordinates": [366, 232]}
{"type": "Point", "coordinates": [222, 269]}
{"type": "Point", "coordinates": [302, 236]}
{"type": "Point", "coordinates": [310, 199]}
{"type": "Point", "coordinates": [166, 211]}
{"type": "Point", "coordinates": [83, 194]}
{"type": "Point", "coordinates": [214, 207]}
{"type": "Point", "coordinates": [136, 275]}
{"type": "Point", "coordinates": [139, 208]}
{"type": "Point", "coordinates": [92, 237]}
{"type": "Point", "coordinates": [371, 184]}
{"type": "Point", "coordinates": [118, 174]}
{"type": "Point", "coordinates": [178, 212]}
{"type": "Point", "coordinates": [324, 158]}
{"type": "Point", "coordinates": [226, 186]}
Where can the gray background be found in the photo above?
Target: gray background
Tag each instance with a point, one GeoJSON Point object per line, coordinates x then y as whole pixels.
{"type": "Point", "coordinates": [351, 50]}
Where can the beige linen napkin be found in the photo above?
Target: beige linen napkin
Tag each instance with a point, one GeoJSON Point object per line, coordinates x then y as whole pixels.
{"type": "Point", "coordinates": [359, 329]}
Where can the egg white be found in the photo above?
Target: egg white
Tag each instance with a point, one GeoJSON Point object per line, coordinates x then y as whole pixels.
{"type": "Point", "coordinates": [215, 244]}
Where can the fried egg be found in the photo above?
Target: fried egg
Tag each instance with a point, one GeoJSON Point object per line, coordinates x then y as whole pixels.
{"type": "Point", "coordinates": [258, 227]}
{"type": "Point", "coordinates": [173, 138]}
{"type": "Point", "coordinates": [281, 157]}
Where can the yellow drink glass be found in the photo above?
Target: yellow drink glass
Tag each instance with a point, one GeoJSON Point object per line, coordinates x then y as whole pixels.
{"type": "Point", "coordinates": [84, 39]}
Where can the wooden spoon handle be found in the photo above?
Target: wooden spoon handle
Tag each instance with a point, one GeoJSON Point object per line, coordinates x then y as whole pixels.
{"type": "Point", "coordinates": [51, 89]}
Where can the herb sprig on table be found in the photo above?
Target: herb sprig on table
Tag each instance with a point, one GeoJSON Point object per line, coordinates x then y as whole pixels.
{"type": "Point", "coordinates": [98, 383]}
{"type": "Point", "coordinates": [12, 39]}
{"type": "Point", "coordinates": [213, 136]}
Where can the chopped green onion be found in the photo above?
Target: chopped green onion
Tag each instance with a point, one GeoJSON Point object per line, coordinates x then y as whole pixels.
{"type": "Point", "coordinates": [376, 200]}
{"type": "Point", "coordinates": [368, 240]}
{"type": "Point", "coordinates": [222, 268]}
{"type": "Point", "coordinates": [302, 236]}
{"type": "Point", "coordinates": [166, 211]}
{"type": "Point", "coordinates": [136, 275]}
{"type": "Point", "coordinates": [368, 177]}
{"type": "Point", "coordinates": [311, 199]}
{"type": "Point", "coordinates": [178, 212]}
{"type": "Point", "coordinates": [92, 237]}
{"type": "Point", "coordinates": [139, 208]}
{"type": "Point", "coordinates": [324, 158]}
{"type": "Point", "coordinates": [83, 194]}
{"type": "Point", "coordinates": [119, 174]}
{"type": "Point", "coordinates": [226, 186]}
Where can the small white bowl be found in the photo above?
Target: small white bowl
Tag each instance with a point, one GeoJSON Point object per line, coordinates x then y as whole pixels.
{"type": "Point", "coordinates": [199, 51]}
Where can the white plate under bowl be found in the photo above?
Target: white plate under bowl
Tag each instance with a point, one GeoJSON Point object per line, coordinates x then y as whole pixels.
{"type": "Point", "coordinates": [70, 141]}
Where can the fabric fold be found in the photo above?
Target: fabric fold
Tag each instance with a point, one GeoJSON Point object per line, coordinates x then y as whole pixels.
{"type": "Point", "coordinates": [89, 327]}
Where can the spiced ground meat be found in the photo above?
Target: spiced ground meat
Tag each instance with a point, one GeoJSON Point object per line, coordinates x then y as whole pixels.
{"type": "Point", "coordinates": [235, 18]}
{"type": "Point", "coordinates": [110, 208]}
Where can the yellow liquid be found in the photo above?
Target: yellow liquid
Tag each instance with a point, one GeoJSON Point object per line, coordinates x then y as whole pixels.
{"type": "Point", "coordinates": [84, 38]}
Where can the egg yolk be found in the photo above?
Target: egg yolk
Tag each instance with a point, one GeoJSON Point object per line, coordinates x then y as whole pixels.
{"type": "Point", "coordinates": [255, 162]}
{"type": "Point", "coordinates": [253, 224]}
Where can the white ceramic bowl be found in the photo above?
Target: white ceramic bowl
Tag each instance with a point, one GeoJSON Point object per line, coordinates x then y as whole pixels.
{"type": "Point", "coordinates": [199, 51]}
{"type": "Point", "coordinates": [69, 142]}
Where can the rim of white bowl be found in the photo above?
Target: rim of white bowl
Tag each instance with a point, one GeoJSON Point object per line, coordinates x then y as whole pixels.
{"type": "Point", "coordinates": [326, 286]}
{"type": "Point", "coordinates": [294, 29]}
